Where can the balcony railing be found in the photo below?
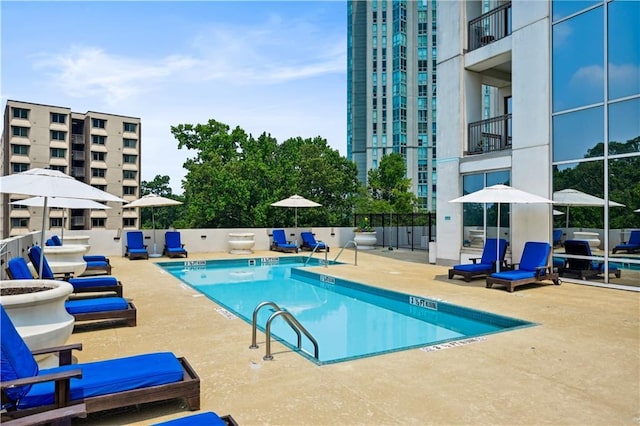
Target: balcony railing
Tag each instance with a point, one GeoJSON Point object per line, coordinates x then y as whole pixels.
{"type": "Point", "coordinates": [490, 27]}
{"type": "Point", "coordinates": [78, 172]}
{"type": "Point", "coordinates": [490, 135]}
{"type": "Point", "coordinates": [77, 139]}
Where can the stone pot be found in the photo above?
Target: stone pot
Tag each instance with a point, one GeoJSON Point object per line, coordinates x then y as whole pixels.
{"type": "Point", "coordinates": [366, 240]}
{"type": "Point", "coordinates": [40, 317]}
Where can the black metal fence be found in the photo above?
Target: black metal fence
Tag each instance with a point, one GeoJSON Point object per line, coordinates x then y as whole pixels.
{"type": "Point", "coordinates": [490, 27]}
{"type": "Point", "coordinates": [412, 231]}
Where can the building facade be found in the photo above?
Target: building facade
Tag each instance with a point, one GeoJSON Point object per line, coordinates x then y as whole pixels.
{"type": "Point", "coordinates": [565, 84]}
{"type": "Point", "coordinates": [100, 149]}
{"type": "Point", "coordinates": [392, 88]}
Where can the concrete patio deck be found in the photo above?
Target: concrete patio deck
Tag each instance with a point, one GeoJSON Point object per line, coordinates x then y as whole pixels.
{"type": "Point", "coordinates": [580, 365]}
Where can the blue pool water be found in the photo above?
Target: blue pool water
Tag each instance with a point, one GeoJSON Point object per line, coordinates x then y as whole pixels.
{"type": "Point", "coordinates": [349, 320]}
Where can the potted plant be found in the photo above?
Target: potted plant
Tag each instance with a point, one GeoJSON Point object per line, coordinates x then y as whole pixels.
{"type": "Point", "coordinates": [365, 235]}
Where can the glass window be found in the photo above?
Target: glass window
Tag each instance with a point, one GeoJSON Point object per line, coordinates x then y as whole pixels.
{"type": "Point", "coordinates": [98, 156]}
{"type": "Point", "coordinates": [624, 49]}
{"type": "Point", "coordinates": [564, 8]}
{"type": "Point", "coordinates": [129, 190]}
{"type": "Point", "coordinates": [586, 177]}
{"type": "Point", "coordinates": [578, 61]}
{"type": "Point", "coordinates": [20, 149]}
{"type": "Point", "coordinates": [57, 135]}
{"type": "Point", "coordinates": [19, 222]}
{"type": "Point", "coordinates": [98, 139]}
{"type": "Point", "coordinates": [100, 187]}
{"type": "Point", "coordinates": [129, 222]}
{"type": "Point", "coordinates": [20, 131]}
{"type": "Point", "coordinates": [58, 118]}
{"type": "Point", "coordinates": [62, 169]}
{"type": "Point", "coordinates": [98, 222]}
{"type": "Point", "coordinates": [19, 167]}
{"type": "Point", "coordinates": [578, 134]}
{"type": "Point", "coordinates": [130, 127]}
{"type": "Point", "coordinates": [57, 152]}
{"type": "Point", "coordinates": [129, 159]}
{"type": "Point", "coordinates": [20, 113]}
{"type": "Point", "coordinates": [129, 143]}
{"type": "Point", "coordinates": [99, 123]}
{"type": "Point", "coordinates": [624, 127]}
{"type": "Point", "coordinates": [98, 172]}
{"type": "Point", "coordinates": [55, 222]}
{"type": "Point", "coordinates": [129, 174]}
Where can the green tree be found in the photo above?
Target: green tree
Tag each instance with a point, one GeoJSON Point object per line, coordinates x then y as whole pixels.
{"type": "Point", "coordinates": [233, 178]}
{"type": "Point", "coordinates": [164, 216]}
{"type": "Point", "coordinates": [388, 188]}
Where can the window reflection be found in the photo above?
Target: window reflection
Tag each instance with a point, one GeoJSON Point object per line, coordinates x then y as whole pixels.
{"type": "Point", "coordinates": [578, 134]}
{"type": "Point", "coordinates": [624, 127]}
{"type": "Point", "coordinates": [624, 49]}
{"type": "Point", "coordinates": [578, 61]}
{"type": "Point", "coordinates": [562, 9]}
{"type": "Point", "coordinates": [476, 218]}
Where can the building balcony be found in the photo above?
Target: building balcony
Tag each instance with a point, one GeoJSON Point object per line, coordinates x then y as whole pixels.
{"type": "Point", "coordinates": [77, 139]}
{"type": "Point", "coordinates": [489, 135]}
{"type": "Point", "coordinates": [489, 27]}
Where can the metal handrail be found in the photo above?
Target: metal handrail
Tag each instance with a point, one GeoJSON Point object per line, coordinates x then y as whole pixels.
{"type": "Point", "coordinates": [326, 263]}
{"type": "Point", "coordinates": [289, 318]}
{"type": "Point", "coordinates": [345, 246]}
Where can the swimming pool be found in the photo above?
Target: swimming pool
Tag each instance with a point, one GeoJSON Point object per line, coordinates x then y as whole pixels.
{"type": "Point", "coordinates": [349, 320]}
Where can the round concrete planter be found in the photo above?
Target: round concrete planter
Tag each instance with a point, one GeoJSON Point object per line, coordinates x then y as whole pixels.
{"type": "Point", "coordinates": [40, 317]}
{"type": "Point", "coordinates": [365, 240]}
{"type": "Point", "coordinates": [82, 240]}
{"type": "Point", "coordinates": [241, 242]}
{"type": "Point", "coordinates": [66, 259]}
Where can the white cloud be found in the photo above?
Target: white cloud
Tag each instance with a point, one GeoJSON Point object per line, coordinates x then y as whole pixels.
{"type": "Point", "coordinates": [590, 76]}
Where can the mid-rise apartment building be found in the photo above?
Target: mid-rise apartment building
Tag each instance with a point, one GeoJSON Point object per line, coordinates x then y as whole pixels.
{"type": "Point", "coordinates": [392, 88]}
{"type": "Point", "coordinates": [100, 149]}
{"type": "Point", "coordinates": [565, 81]}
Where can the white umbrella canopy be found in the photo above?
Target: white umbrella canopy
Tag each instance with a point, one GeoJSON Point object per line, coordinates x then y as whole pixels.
{"type": "Point", "coordinates": [153, 200]}
{"type": "Point", "coordinates": [296, 201]}
{"type": "Point", "coordinates": [63, 203]}
{"type": "Point", "coordinates": [572, 197]}
{"type": "Point", "coordinates": [501, 194]}
{"type": "Point", "coordinates": [51, 183]}
{"type": "Point", "coordinates": [637, 211]}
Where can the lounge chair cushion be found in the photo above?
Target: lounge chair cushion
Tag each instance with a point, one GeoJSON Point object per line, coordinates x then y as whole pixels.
{"type": "Point", "coordinates": [537, 254]}
{"type": "Point", "coordinates": [19, 269]}
{"type": "Point", "coordinates": [97, 264]}
{"type": "Point", "coordinates": [95, 258]}
{"type": "Point", "coordinates": [56, 240]}
{"type": "Point", "coordinates": [84, 282]}
{"type": "Point", "coordinates": [202, 419]}
{"type": "Point", "coordinates": [173, 245]}
{"type": "Point", "coordinates": [97, 304]}
{"type": "Point", "coordinates": [514, 275]}
{"type": "Point", "coordinates": [280, 240]}
{"type": "Point", "coordinates": [474, 267]}
{"type": "Point", "coordinates": [110, 376]}
{"type": "Point", "coordinates": [16, 360]}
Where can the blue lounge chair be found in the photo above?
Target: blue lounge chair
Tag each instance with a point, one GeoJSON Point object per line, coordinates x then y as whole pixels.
{"type": "Point", "coordinates": [583, 268]}
{"type": "Point", "coordinates": [557, 237]}
{"type": "Point", "coordinates": [309, 242]}
{"type": "Point", "coordinates": [533, 268]}
{"type": "Point", "coordinates": [208, 418]}
{"type": "Point", "coordinates": [101, 385]}
{"type": "Point", "coordinates": [104, 283]}
{"type": "Point", "coordinates": [95, 262]}
{"type": "Point", "coordinates": [136, 248]}
{"type": "Point", "coordinates": [487, 264]}
{"type": "Point", "coordinates": [630, 246]}
{"type": "Point", "coordinates": [83, 309]}
{"type": "Point", "coordinates": [280, 242]}
{"type": "Point", "coordinates": [173, 247]}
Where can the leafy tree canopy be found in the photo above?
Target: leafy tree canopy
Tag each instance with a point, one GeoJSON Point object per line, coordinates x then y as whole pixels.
{"type": "Point", "coordinates": [164, 217]}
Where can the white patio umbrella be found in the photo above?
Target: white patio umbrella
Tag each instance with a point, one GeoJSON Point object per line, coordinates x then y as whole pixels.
{"type": "Point", "coordinates": [637, 211]}
{"type": "Point", "coordinates": [501, 194]}
{"type": "Point", "coordinates": [572, 197]}
{"type": "Point", "coordinates": [153, 200]}
{"type": "Point", "coordinates": [63, 203]}
{"type": "Point", "coordinates": [51, 183]}
{"type": "Point", "coordinates": [296, 201]}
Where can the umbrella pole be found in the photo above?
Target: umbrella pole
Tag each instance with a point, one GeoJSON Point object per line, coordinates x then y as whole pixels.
{"type": "Point", "coordinates": [498, 242]}
{"type": "Point", "coordinates": [44, 220]}
{"type": "Point", "coordinates": [62, 228]}
{"type": "Point", "coordinates": [153, 224]}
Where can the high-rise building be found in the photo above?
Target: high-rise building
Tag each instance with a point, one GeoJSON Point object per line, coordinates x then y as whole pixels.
{"type": "Point", "coordinates": [564, 113]}
{"type": "Point", "coordinates": [391, 97]}
{"type": "Point", "coordinates": [100, 149]}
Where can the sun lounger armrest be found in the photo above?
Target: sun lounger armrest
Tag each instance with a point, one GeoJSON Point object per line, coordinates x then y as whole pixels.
{"type": "Point", "coordinates": [542, 270]}
{"type": "Point", "coordinates": [54, 377]}
{"type": "Point", "coordinates": [64, 352]}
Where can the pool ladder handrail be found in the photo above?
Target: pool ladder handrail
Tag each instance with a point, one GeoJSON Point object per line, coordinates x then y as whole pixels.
{"type": "Point", "coordinates": [289, 319]}
{"type": "Point", "coordinates": [355, 245]}
{"type": "Point", "coordinates": [326, 263]}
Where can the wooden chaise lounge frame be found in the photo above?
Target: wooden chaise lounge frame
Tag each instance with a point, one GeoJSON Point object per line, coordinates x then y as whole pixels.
{"type": "Point", "coordinates": [129, 316]}
{"type": "Point", "coordinates": [188, 388]}
{"type": "Point", "coordinates": [542, 273]}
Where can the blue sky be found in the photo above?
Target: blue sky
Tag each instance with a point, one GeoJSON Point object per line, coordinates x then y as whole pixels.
{"type": "Point", "coordinates": [278, 67]}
